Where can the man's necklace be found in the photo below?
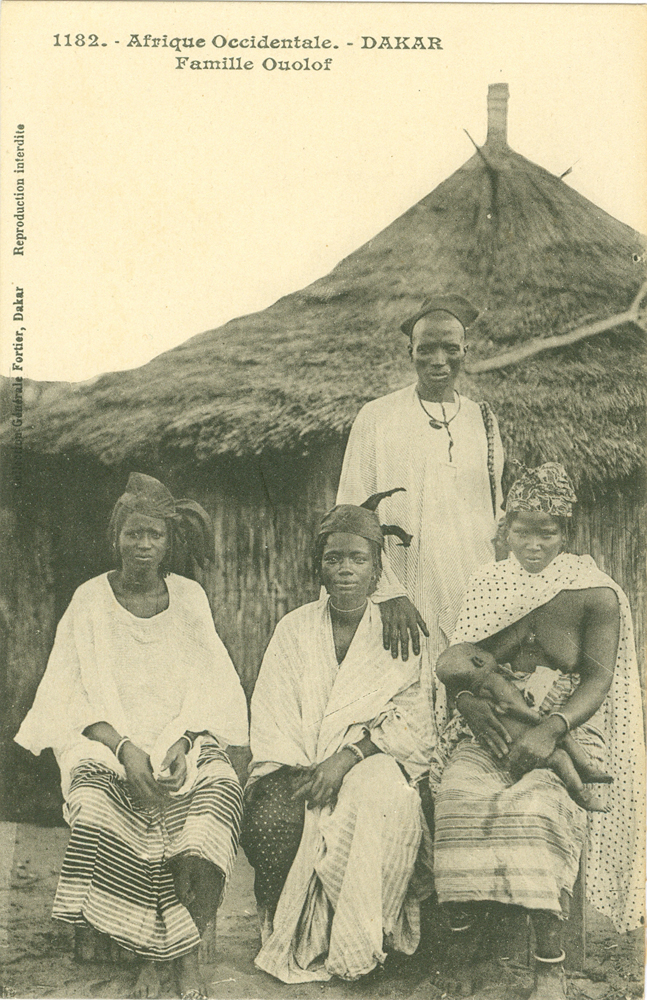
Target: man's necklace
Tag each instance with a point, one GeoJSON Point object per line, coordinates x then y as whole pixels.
{"type": "Point", "coordinates": [438, 424]}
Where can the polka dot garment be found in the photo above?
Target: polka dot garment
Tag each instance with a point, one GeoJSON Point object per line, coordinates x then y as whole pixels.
{"type": "Point", "coordinates": [272, 833]}
{"type": "Point", "coordinates": [502, 593]}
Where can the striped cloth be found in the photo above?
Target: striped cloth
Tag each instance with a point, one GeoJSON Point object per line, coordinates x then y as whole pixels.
{"type": "Point", "coordinates": [515, 842]}
{"type": "Point", "coordinates": [510, 842]}
{"type": "Point", "coordinates": [347, 893]}
{"type": "Point", "coordinates": [116, 875]}
{"type": "Point", "coordinates": [447, 506]}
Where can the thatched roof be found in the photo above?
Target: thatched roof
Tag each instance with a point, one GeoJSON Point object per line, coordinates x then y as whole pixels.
{"type": "Point", "coordinates": [533, 254]}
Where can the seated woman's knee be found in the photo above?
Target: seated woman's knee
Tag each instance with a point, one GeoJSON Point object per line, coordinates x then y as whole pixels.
{"type": "Point", "coordinates": [377, 781]}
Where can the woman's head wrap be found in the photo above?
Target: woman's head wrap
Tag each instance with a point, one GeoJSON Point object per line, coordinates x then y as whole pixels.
{"type": "Point", "coordinates": [457, 306]}
{"type": "Point", "coordinates": [192, 527]}
{"type": "Point", "coordinates": [363, 521]}
{"type": "Point", "coordinates": [547, 488]}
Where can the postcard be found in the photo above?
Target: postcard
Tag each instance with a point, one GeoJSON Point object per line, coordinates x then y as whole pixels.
{"type": "Point", "coordinates": [322, 352]}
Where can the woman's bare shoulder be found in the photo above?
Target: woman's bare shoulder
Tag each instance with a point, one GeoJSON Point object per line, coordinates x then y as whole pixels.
{"type": "Point", "coordinates": [600, 600]}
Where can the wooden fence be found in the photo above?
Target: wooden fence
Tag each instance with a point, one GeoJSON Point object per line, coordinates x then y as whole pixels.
{"type": "Point", "coordinates": [265, 513]}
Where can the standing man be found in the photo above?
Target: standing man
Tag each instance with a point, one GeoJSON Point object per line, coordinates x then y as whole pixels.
{"type": "Point", "coordinates": [446, 451]}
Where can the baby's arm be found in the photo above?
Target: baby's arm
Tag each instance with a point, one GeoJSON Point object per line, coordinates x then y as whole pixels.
{"type": "Point", "coordinates": [467, 667]}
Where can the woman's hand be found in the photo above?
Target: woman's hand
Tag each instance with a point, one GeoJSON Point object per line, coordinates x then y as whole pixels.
{"type": "Point", "coordinates": [302, 781]}
{"type": "Point", "coordinates": [175, 764]}
{"type": "Point", "coordinates": [139, 774]}
{"type": "Point", "coordinates": [399, 618]}
{"type": "Point", "coordinates": [485, 724]}
{"type": "Point", "coordinates": [321, 786]}
{"type": "Point", "coordinates": [535, 747]}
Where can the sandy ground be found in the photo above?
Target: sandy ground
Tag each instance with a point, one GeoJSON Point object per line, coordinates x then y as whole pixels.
{"type": "Point", "coordinates": [37, 953]}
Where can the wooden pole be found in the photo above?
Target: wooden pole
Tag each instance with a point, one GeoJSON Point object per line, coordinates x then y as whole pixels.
{"type": "Point", "coordinates": [537, 346]}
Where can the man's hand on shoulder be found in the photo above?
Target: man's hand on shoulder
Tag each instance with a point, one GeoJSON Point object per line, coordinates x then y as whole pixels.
{"type": "Point", "coordinates": [401, 619]}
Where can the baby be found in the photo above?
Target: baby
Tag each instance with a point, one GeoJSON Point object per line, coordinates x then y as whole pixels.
{"type": "Point", "coordinates": [489, 680]}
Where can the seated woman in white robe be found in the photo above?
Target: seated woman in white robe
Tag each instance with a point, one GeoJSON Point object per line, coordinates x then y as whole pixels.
{"type": "Point", "coordinates": [140, 703]}
{"type": "Point", "coordinates": [342, 727]}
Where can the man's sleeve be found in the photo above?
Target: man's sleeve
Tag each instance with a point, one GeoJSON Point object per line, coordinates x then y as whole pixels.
{"type": "Point", "coordinates": [358, 478]}
{"type": "Point", "coordinates": [499, 459]}
{"type": "Point", "coordinates": [358, 481]}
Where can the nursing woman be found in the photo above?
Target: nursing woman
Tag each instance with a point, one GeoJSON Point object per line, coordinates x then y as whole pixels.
{"type": "Point", "coordinates": [140, 703]}
{"type": "Point", "coordinates": [506, 830]}
{"type": "Point", "coordinates": [340, 735]}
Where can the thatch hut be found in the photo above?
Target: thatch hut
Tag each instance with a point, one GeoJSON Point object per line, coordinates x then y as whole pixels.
{"type": "Point", "coordinates": [252, 418]}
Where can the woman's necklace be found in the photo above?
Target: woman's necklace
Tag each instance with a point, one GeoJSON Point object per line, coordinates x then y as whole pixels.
{"type": "Point", "coordinates": [137, 598]}
{"type": "Point", "coordinates": [438, 424]}
{"type": "Point", "coordinates": [347, 611]}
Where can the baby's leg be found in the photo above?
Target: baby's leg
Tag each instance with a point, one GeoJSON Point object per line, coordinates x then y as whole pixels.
{"type": "Point", "coordinates": [560, 762]}
{"type": "Point", "coordinates": [587, 770]}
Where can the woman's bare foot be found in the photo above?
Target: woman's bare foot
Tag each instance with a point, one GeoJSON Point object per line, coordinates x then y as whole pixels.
{"type": "Point", "coordinates": [190, 981]}
{"type": "Point", "coordinates": [590, 801]}
{"type": "Point", "coordinates": [86, 939]}
{"type": "Point", "coordinates": [549, 983]}
{"type": "Point", "coordinates": [590, 775]}
{"type": "Point", "coordinates": [148, 981]}
{"type": "Point", "coordinates": [207, 947]}
{"type": "Point", "coordinates": [460, 971]}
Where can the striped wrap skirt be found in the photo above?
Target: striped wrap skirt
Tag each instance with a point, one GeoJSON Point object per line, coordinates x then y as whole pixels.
{"type": "Point", "coordinates": [116, 875]}
{"type": "Point", "coordinates": [509, 842]}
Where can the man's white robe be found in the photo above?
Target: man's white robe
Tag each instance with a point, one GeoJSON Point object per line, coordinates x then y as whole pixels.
{"type": "Point", "coordinates": [447, 506]}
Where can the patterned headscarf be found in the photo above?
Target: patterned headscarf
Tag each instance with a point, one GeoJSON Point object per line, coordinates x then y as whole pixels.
{"type": "Point", "coordinates": [547, 488]}
{"type": "Point", "coordinates": [192, 525]}
{"type": "Point", "coordinates": [363, 521]}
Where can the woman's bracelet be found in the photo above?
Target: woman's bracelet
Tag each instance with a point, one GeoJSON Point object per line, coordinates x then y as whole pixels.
{"type": "Point", "coordinates": [186, 737]}
{"type": "Point", "coordinates": [355, 750]}
{"type": "Point", "coordinates": [560, 715]}
{"type": "Point", "coordinates": [124, 739]}
{"type": "Point", "coordinates": [465, 691]}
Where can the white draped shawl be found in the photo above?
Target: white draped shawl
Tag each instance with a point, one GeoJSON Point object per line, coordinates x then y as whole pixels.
{"type": "Point", "coordinates": [304, 708]}
{"type": "Point", "coordinates": [103, 654]}
{"type": "Point", "coordinates": [502, 593]}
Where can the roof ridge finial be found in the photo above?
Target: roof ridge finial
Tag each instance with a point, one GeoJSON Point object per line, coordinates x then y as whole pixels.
{"type": "Point", "coordinates": [497, 114]}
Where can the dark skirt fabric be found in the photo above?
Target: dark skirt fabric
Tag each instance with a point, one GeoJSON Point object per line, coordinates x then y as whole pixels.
{"type": "Point", "coordinates": [272, 832]}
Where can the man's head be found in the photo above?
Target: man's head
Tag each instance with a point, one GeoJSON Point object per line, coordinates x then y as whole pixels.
{"type": "Point", "coordinates": [437, 343]}
{"type": "Point", "coordinates": [437, 348]}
